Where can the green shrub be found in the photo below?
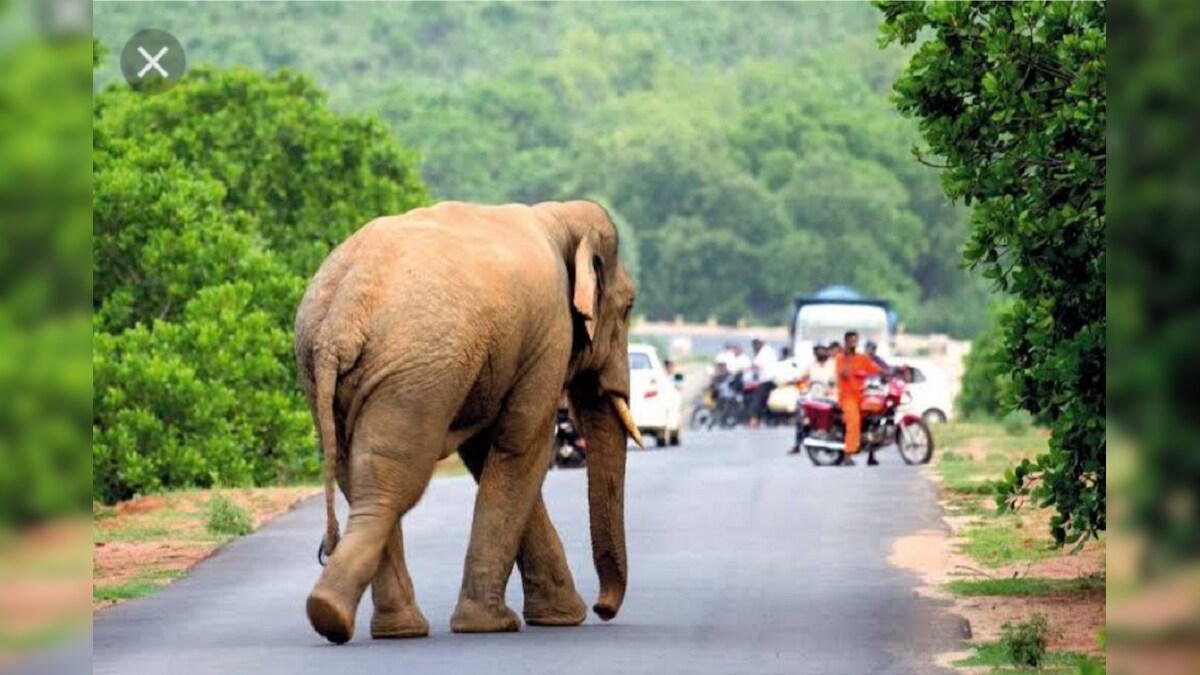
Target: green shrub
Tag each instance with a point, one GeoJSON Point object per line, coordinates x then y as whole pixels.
{"type": "Point", "coordinates": [223, 517]}
{"type": "Point", "coordinates": [211, 205]}
{"type": "Point", "coordinates": [209, 400]}
{"type": "Point", "coordinates": [984, 379]}
{"type": "Point", "coordinates": [1017, 423]}
{"type": "Point", "coordinates": [1025, 642]}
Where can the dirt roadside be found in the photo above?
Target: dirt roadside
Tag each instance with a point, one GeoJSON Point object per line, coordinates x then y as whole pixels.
{"type": "Point", "coordinates": [1018, 558]}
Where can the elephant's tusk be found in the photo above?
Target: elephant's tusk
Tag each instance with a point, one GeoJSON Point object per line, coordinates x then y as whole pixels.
{"type": "Point", "coordinates": [622, 409]}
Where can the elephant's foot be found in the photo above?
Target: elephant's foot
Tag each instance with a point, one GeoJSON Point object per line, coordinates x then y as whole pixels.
{"type": "Point", "coordinates": [331, 617]}
{"type": "Point", "coordinates": [403, 623]}
{"type": "Point", "coordinates": [560, 606]}
{"type": "Point", "coordinates": [474, 617]}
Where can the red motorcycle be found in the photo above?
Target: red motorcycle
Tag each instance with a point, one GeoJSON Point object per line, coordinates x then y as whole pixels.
{"type": "Point", "coordinates": [825, 430]}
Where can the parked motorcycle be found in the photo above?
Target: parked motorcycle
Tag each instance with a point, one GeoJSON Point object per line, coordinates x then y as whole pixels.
{"type": "Point", "coordinates": [882, 425]}
{"type": "Point", "coordinates": [721, 405]}
{"type": "Point", "coordinates": [726, 404]}
{"type": "Point", "coordinates": [704, 413]}
{"type": "Point", "coordinates": [570, 449]}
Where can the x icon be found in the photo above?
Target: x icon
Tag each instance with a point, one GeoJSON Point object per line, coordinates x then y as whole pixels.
{"type": "Point", "coordinates": [152, 62]}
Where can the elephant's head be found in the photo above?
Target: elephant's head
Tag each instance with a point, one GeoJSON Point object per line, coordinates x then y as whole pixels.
{"type": "Point", "coordinates": [602, 296]}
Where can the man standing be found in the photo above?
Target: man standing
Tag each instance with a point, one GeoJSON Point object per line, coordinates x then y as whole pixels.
{"type": "Point", "coordinates": [853, 369]}
{"type": "Point", "coordinates": [762, 366]}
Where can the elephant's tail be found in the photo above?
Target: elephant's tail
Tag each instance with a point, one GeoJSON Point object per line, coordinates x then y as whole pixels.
{"type": "Point", "coordinates": [325, 375]}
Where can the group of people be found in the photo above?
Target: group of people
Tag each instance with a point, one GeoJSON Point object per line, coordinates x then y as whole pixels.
{"type": "Point", "coordinates": [839, 368]}
{"type": "Point", "coordinates": [758, 371]}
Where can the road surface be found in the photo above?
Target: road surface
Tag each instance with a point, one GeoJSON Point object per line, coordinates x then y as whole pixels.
{"type": "Point", "coordinates": [742, 560]}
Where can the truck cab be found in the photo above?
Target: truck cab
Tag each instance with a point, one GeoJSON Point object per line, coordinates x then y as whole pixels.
{"type": "Point", "coordinates": [826, 317]}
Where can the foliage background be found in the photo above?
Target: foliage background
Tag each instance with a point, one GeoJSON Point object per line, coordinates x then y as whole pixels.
{"type": "Point", "coordinates": [748, 148]}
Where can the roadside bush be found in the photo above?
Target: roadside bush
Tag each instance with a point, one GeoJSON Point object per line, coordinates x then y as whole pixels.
{"type": "Point", "coordinates": [223, 517]}
{"type": "Point", "coordinates": [1017, 422]}
{"type": "Point", "coordinates": [211, 205]}
{"type": "Point", "coordinates": [1025, 642]}
{"type": "Point", "coordinates": [203, 401]}
{"type": "Point", "coordinates": [984, 380]}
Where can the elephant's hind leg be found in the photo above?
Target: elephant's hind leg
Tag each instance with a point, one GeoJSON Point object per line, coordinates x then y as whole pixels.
{"type": "Point", "coordinates": [392, 457]}
{"type": "Point", "coordinates": [550, 595]}
{"type": "Point", "coordinates": [396, 612]}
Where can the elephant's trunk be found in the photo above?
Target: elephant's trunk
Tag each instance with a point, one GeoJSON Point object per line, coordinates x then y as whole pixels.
{"type": "Point", "coordinates": [605, 423]}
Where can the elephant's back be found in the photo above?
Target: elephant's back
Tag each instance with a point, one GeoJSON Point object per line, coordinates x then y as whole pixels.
{"type": "Point", "coordinates": [440, 291]}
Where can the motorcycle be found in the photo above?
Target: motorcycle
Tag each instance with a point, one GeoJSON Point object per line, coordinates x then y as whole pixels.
{"type": "Point", "coordinates": [570, 449]}
{"type": "Point", "coordinates": [704, 413]}
{"type": "Point", "coordinates": [726, 404]}
{"type": "Point", "coordinates": [882, 425]}
{"type": "Point", "coordinates": [721, 405]}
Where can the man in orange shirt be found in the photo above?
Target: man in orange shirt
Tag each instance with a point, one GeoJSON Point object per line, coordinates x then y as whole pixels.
{"type": "Point", "coordinates": [853, 369]}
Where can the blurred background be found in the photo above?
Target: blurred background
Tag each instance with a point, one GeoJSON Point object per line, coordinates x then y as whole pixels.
{"type": "Point", "coordinates": [45, 376]}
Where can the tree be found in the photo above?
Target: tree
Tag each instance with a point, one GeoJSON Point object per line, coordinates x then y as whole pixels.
{"type": "Point", "coordinates": [761, 121]}
{"type": "Point", "coordinates": [1012, 98]}
{"type": "Point", "coordinates": [212, 204]}
{"type": "Point", "coordinates": [304, 176]}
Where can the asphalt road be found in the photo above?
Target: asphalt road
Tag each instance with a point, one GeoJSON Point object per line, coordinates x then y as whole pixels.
{"type": "Point", "coordinates": [742, 560]}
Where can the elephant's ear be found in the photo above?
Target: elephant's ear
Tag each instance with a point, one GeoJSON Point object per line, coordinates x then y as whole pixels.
{"type": "Point", "coordinates": [586, 288]}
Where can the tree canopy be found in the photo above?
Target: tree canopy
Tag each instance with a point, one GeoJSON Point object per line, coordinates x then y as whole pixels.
{"type": "Point", "coordinates": [749, 148]}
{"type": "Point", "coordinates": [1013, 98]}
{"type": "Point", "coordinates": [213, 203]}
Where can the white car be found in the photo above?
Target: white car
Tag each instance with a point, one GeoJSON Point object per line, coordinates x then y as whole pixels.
{"type": "Point", "coordinates": [932, 397]}
{"type": "Point", "coordinates": [654, 396]}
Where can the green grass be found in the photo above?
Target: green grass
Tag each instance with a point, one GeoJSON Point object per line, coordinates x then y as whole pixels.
{"type": "Point", "coordinates": [1025, 586]}
{"type": "Point", "coordinates": [1002, 542]}
{"type": "Point", "coordinates": [964, 474]}
{"type": "Point", "coordinates": [125, 591]}
{"type": "Point", "coordinates": [966, 505]}
{"type": "Point", "coordinates": [995, 656]}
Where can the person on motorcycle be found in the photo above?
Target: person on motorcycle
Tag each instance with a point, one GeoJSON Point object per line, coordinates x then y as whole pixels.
{"type": "Point", "coordinates": [820, 372]}
{"type": "Point", "coordinates": [853, 369]}
{"type": "Point", "coordinates": [872, 350]}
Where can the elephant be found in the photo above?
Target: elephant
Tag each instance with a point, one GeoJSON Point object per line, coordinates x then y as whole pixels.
{"type": "Point", "coordinates": [456, 328]}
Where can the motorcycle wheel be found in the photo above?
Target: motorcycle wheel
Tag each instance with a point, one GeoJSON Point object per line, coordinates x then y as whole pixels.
{"type": "Point", "coordinates": [702, 418]}
{"type": "Point", "coordinates": [915, 442]}
{"type": "Point", "coordinates": [824, 456]}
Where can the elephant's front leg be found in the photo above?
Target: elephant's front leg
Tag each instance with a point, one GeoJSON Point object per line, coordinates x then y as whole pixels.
{"type": "Point", "coordinates": [550, 595]}
{"type": "Point", "coordinates": [509, 487]}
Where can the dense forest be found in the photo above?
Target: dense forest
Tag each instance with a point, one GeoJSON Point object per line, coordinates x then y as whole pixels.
{"type": "Point", "coordinates": [749, 152]}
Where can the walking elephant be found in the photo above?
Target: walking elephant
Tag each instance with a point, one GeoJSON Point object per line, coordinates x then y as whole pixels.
{"type": "Point", "coordinates": [455, 328]}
